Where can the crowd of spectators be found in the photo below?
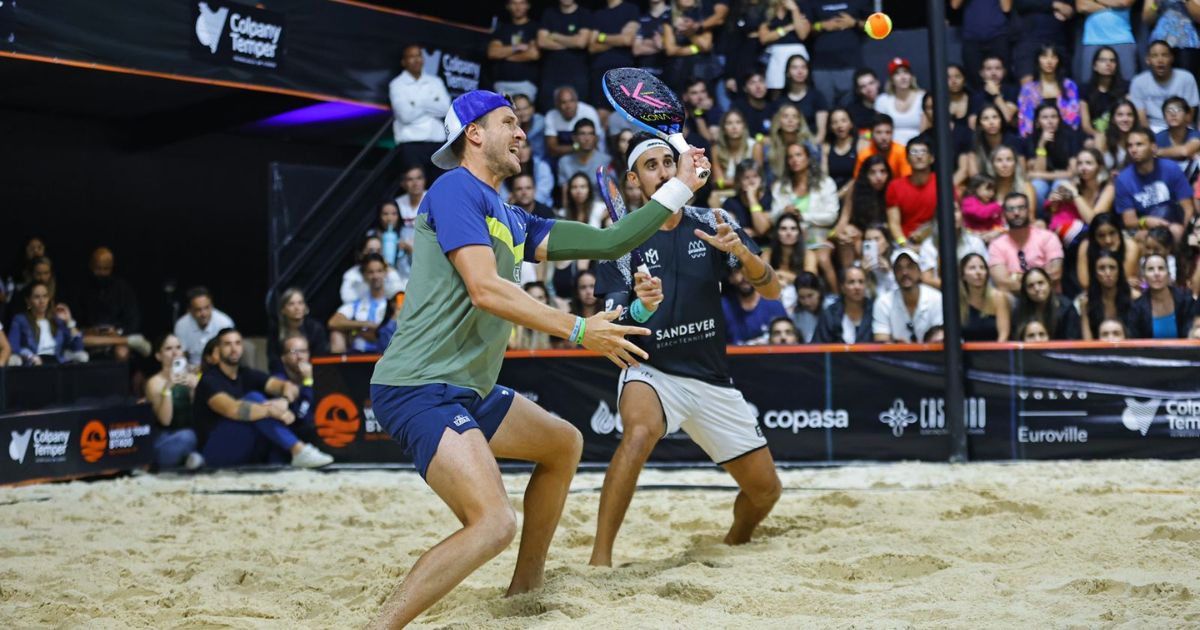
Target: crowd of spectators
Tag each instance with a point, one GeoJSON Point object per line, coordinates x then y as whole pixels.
{"type": "Point", "coordinates": [1068, 153]}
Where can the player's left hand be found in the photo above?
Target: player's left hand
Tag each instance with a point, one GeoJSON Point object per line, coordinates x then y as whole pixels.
{"type": "Point", "coordinates": [648, 289]}
{"type": "Point", "coordinates": [725, 240]}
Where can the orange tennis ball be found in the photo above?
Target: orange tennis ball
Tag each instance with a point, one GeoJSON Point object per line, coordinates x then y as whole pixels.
{"type": "Point", "coordinates": [878, 26]}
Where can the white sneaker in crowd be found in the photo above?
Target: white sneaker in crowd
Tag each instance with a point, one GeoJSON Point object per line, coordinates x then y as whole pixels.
{"type": "Point", "coordinates": [310, 457]}
{"type": "Point", "coordinates": [139, 344]}
{"type": "Point", "coordinates": [194, 460]}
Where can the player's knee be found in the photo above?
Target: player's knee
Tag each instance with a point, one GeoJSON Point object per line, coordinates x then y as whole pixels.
{"type": "Point", "coordinates": [640, 439]}
{"type": "Point", "coordinates": [766, 494]}
{"type": "Point", "coordinates": [498, 529]}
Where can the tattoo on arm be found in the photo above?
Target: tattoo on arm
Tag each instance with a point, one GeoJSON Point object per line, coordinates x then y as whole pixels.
{"type": "Point", "coordinates": [243, 412]}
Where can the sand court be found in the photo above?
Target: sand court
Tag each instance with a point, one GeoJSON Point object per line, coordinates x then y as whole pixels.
{"type": "Point", "coordinates": [1059, 545]}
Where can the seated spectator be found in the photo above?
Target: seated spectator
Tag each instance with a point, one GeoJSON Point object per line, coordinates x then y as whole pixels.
{"type": "Point", "coordinates": [514, 52]}
{"type": "Point", "coordinates": [1123, 120]}
{"type": "Point", "coordinates": [783, 34]}
{"type": "Point", "coordinates": [991, 133]}
{"type": "Point", "coordinates": [560, 122]}
{"type": "Point", "coordinates": [563, 35]}
{"type": "Point", "coordinates": [1195, 334]}
{"type": "Point", "coordinates": [750, 200]}
{"type": "Point", "coordinates": [1152, 191]}
{"type": "Point", "coordinates": [748, 314]}
{"type": "Point", "coordinates": [1113, 330]}
{"type": "Point", "coordinates": [997, 90]}
{"type": "Point", "coordinates": [798, 90]}
{"type": "Point", "coordinates": [108, 311]}
{"type": "Point", "coordinates": [1179, 141]}
{"type": "Point", "coordinates": [876, 260]}
{"type": "Point", "coordinates": [787, 128]}
{"type": "Point", "coordinates": [981, 211]}
{"type": "Point", "coordinates": [580, 202]}
{"type": "Point", "coordinates": [199, 324]}
{"type": "Point", "coordinates": [862, 105]}
{"type": "Point", "coordinates": [353, 328]}
{"type": "Point", "coordinates": [753, 104]}
{"type": "Point", "coordinates": [1104, 233]}
{"type": "Point", "coordinates": [961, 139]}
{"type": "Point", "coordinates": [169, 392]}
{"type": "Point", "coordinates": [704, 117]}
{"type": "Point", "coordinates": [984, 310]}
{"type": "Point", "coordinates": [839, 149]}
{"type": "Point", "coordinates": [906, 314]}
{"type": "Point", "coordinates": [848, 318]}
{"type": "Point", "coordinates": [1007, 170]}
{"type": "Point", "coordinates": [931, 263]}
{"type": "Point", "coordinates": [1164, 311]}
{"type": "Point", "coordinates": [1108, 85]}
{"type": "Point", "coordinates": [41, 336]}
{"type": "Point", "coordinates": [294, 319]}
{"type": "Point", "coordinates": [782, 332]}
{"type": "Point", "coordinates": [789, 256]}
{"type": "Point", "coordinates": [407, 204]}
{"type": "Point", "coordinates": [354, 286]}
{"type": "Point", "coordinates": [524, 195]}
{"type": "Point", "coordinates": [388, 229]}
{"type": "Point", "coordinates": [1106, 26]}
{"type": "Point", "coordinates": [1037, 300]}
{"type": "Point", "coordinates": [527, 338]}
{"type": "Point", "coordinates": [1110, 296]}
{"type": "Point", "coordinates": [41, 269]}
{"type": "Point", "coordinates": [809, 300]}
{"type": "Point", "coordinates": [584, 158]}
{"type": "Point", "coordinates": [420, 101]}
{"type": "Point", "coordinates": [533, 124]}
{"type": "Point", "coordinates": [912, 200]}
{"type": "Point", "coordinates": [812, 196]}
{"type": "Point", "coordinates": [584, 302]}
{"type": "Point", "coordinates": [1150, 90]}
{"type": "Point", "coordinates": [1033, 331]}
{"type": "Point", "coordinates": [296, 368]}
{"type": "Point", "coordinates": [883, 146]}
{"type": "Point", "coordinates": [866, 205]}
{"type": "Point", "coordinates": [5, 348]}
{"type": "Point", "coordinates": [1049, 152]}
{"type": "Point", "coordinates": [1073, 205]}
{"type": "Point", "coordinates": [732, 145]}
{"type": "Point", "coordinates": [647, 48]}
{"type": "Point", "coordinates": [538, 171]}
{"type": "Point", "coordinates": [1051, 85]}
{"type": "Point", "coordinates": [241, 425]}
{"type": "Point", "coordinates": [1159, 241]}
{"type": "Point", "coordinates": [901, 101]}
{"type": "Point", "coordinates": [1024, 247]}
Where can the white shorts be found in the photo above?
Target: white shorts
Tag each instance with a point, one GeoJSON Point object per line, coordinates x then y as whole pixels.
{"type": "Point", "coordinates": [717, 418]}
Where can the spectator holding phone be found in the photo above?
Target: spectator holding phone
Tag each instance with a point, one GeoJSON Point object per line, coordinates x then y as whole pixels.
{"type": "Point", "coordinates": [169, 392]}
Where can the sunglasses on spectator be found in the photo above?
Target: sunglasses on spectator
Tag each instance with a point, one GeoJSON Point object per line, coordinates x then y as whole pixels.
{"type": "Point", "coordinates": [1016, 207]}
{"type": "Point", "coordinates": [1173, 109]}
{"type": "Point", "coordinates": [1021, 261]}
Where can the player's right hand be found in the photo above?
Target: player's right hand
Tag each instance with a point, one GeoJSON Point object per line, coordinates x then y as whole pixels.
{"type": "Point", "coordinates": [689, 162]}
{"type": "Point", "coordinates": [606, 338]}
{"type": "Point", "coordinates": [648, 289]}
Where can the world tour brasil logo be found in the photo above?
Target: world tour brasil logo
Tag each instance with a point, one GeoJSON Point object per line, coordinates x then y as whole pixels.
{"type": "Point", "coordinates": [337, 420]}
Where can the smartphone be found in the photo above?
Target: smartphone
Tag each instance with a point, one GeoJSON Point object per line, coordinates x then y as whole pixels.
{"type": "Point", "coordinates": [870, 254]}
{"type": "Point", "coordinates": [179, 365]}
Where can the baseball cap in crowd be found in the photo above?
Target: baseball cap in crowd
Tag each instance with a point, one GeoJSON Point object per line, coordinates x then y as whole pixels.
{"type": "Point", "coordinates": [897, 63]}
{"type": "Point", "coordinates": [897, 252]}
{"type": "Point", "coordinates": [465, 110]}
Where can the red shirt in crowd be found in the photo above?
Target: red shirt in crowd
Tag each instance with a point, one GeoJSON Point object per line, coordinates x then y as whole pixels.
{"type": "Point", "coordinates": [918, 204]}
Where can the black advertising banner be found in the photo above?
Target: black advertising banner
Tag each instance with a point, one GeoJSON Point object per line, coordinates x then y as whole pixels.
{"type": "Point", "coordinates": [75, 442]}
{"type": "Point", "coordinates": [851, 406]}
{"type": "Point", "coordinates": [324, 49]}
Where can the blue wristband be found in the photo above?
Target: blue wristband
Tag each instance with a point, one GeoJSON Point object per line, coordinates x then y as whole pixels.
{"type": "Point", "coordinates": [639, 312]}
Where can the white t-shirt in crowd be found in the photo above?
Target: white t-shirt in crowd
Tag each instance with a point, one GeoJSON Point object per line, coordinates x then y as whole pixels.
{"type": "Point", "coordinates": [1149, 95]}
{"type": "Point", "coordinates": [906, 125]}
{"type": "Point", "coordinates": [45, 343]}
{"type": "Point", "coordinates": [890, 317]}
{"type": "Point", "coordinates": [193, 337]}
{"type": "Point", "coordinates": [354, 287]}
{"type": "Point", "coordinates": [364, 310]}
{"type": "Point", "coordinates": [556, 124]}
{"type": "Point", "coordinates": [420, 105]}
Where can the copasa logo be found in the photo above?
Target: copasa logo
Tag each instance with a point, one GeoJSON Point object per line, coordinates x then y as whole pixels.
{"type": "Point", "coordinates": [209, 26]}
{"type": "Point", "coordinates": [337, 420]}
{"type": "Point", "coordinates": [800, 419]}
{"type": "Point", "coordinates": [19, 445]}
{"type": "Point", "coordinates": [93, 441]}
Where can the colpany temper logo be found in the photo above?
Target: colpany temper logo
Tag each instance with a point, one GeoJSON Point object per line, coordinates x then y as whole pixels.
{"type": "Point", "coordinates": [337, 420]}
{"type": "Point", "coordinates": [1138, 415]}
{"type": "Point", "coordinates": [93, 441]}
{"type": "Point", "coordinates": [209, 26]}
{"type": "Point", "coordinates": [19, 445]}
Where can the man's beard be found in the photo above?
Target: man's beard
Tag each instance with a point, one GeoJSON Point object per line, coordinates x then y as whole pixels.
{"type": "Point", "coordinates": [500, 165]}
{"type": "Point", "coordinates": [745, 289]}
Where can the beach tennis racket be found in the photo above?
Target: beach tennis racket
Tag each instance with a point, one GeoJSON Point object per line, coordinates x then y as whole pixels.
{"type": "Point", "coordinates": [610, 192]}
{"type": "Point", "coordinates": [649, 104]}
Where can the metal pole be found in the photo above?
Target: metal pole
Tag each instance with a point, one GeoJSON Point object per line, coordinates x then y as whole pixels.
{"type": "Point", "coordinates": [947, 236]}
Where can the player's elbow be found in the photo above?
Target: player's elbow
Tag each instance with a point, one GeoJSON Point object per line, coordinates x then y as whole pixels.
{"type": "Point", "coordinates": [483, 296]}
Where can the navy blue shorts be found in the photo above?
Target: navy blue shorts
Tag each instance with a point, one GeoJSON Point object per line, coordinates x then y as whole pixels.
{"type": "Point", "coordinates": [417, 416]}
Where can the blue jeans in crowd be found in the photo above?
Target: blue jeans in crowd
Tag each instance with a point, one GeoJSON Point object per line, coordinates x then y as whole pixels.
{"type": "Point", "coordinates": [172, 447]}
{"type": "Point", "coordinates": [235, 442]}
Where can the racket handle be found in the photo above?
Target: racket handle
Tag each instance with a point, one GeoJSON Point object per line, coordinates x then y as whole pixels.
{"type": "Point", "coordinates": [679, 144]}
{"type": "Point", "coordinates": [642, 268]}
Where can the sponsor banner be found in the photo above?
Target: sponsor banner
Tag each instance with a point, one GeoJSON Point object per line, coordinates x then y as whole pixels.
{"type": "Point", "coordinates": [845, 406]}
{"type": "Point", "coordinates": [331, 49]}
{"type": "Point", "coordinates": [66, 443]}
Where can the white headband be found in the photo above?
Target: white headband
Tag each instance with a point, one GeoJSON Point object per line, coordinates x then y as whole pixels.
{"type": "Point", "coordinates": [642, 147]}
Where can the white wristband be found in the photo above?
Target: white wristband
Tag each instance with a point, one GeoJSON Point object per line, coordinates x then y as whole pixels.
{"type": "Point", "coordinates": [673, 194]}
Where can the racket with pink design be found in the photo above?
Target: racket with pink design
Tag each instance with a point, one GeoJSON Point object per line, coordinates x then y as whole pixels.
{"type": "Point", "coordinates": [649, 104]}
